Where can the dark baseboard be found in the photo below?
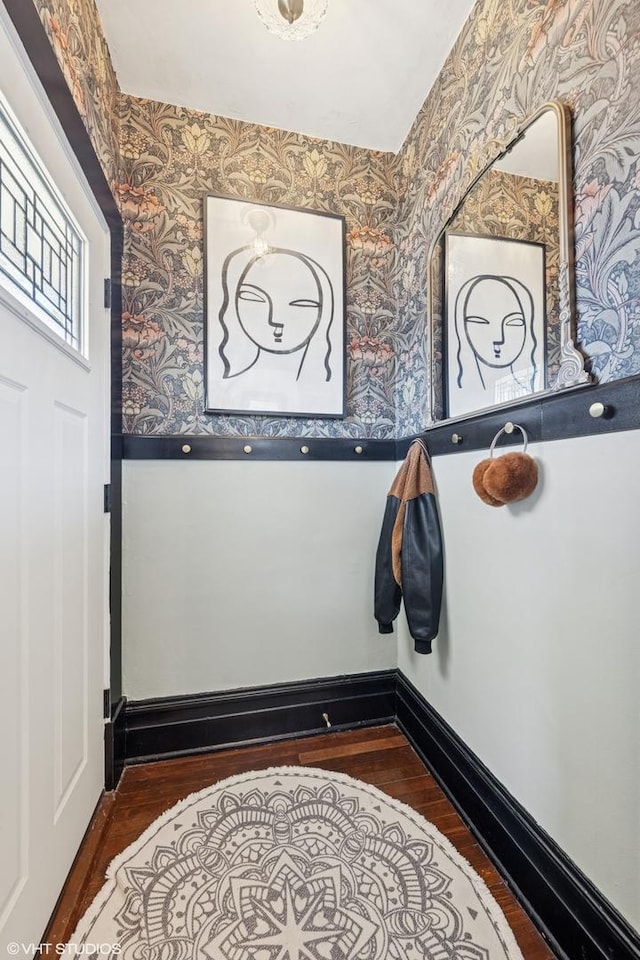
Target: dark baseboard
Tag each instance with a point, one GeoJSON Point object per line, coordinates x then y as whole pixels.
{"type": "Point", "coordinates": [579, 923]}
{"type": "Point", "coordinates": [175, 726]}
{"type": "Point", "coordinates": [114, 745]}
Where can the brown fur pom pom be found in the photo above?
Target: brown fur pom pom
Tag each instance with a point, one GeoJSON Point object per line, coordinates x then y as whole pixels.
{"type": "Point", "coordinates": [478, 484]}
{"type": "Point", "coordinates": [511, 477]}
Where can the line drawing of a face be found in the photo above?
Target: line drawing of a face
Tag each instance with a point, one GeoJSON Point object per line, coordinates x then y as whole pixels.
{"type": "Point", "coordinates": [280, 302]}
{"type": "Point", "coordinates": [494, 322]}
{"type": "Point", "coordinates": [494, 315]}
{"type": "Point", "coordinates": [269, 315]}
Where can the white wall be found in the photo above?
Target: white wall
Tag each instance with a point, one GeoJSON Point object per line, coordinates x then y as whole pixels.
{"type": "Point", "coordinates": [242, 573]}
{"type": "Point", "coordinates": [537, 666]}
{"type": "Point", "coordinates": [246, 573]}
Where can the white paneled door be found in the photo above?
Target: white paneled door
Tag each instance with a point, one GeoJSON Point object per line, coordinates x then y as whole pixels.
{"type": "Point", "coordinates": [53, 581]}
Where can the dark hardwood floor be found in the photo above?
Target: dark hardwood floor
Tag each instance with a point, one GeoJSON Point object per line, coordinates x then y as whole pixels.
{"type": "Point", "coordinates": [379, 755]}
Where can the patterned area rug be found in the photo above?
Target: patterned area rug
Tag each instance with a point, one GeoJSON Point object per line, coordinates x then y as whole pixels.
{"type": "Point", "coordinates": [294, 863]}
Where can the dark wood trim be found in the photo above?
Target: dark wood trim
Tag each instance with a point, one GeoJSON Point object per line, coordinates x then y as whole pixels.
{"type": "Point", "coordinates": [115, 576]}
{"type": "Point", "coordinates": [570, 912]}
{"type": "Point", "coordinates": [176, 726]}
{"type": "Point", "coordinates": [262, 448]}
{"type": "Point", "coordinates": [478, 432]}
{"type": "Point", "coordinates": [554, 416]}
{"type": "Point", "coordinates": [28, 25]}
{"type": "Point", "coordinates": [114, 745]}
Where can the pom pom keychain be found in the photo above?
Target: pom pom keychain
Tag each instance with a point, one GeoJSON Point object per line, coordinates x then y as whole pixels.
{"type": "Point", "coordinates": [510, 477]}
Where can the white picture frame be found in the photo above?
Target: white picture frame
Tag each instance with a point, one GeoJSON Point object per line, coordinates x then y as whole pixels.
{"type": "Point", "coordinates": [274, 310]}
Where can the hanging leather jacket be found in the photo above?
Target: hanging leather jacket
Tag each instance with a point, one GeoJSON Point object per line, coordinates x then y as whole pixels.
{"type": "Point", "coordinates": [409, 556]}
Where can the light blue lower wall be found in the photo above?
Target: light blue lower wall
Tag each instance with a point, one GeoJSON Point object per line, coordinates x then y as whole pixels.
{"type": "Point", "coordinates": [239, 574]}
{"type": "Point", "coordinates": [537, 665]}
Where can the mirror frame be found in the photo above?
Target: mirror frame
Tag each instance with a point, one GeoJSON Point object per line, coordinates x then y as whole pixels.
{"type": "Point", "coordinates": [571, 371]}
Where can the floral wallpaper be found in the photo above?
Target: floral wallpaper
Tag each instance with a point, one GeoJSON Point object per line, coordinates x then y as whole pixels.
{"type": "Point", "coordinates": [512, 56]}
{"type": "Point", "coordinates": [75, 33]}
{"type": "Point", "coordinates": [173, 157]}
{"type": "Point", "coordinates": [160, 161]}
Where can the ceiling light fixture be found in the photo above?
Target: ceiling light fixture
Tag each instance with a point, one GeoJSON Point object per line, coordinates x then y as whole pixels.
{"type": "Point", "coordinates": [259, 220]}
{"type": "Point", "coordinates": [291, 19]}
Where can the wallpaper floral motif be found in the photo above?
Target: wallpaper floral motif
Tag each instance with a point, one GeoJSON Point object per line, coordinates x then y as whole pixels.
{"type": "Point", "coordinates": [512, 56]}
{"type": "Point", "coordinates": [75, 33]}
{"type": "Point", "coordinates": [173, 157]}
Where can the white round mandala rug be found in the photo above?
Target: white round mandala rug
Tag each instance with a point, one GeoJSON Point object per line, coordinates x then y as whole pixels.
{"type": "Point", "coordinates": [293, 863]}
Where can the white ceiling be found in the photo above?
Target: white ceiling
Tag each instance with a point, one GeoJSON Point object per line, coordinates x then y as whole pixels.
{"type": "Point", "coordinates": [360, 79]}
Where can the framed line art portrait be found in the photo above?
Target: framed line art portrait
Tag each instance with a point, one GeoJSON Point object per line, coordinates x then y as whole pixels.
{"type": "Point", "coordinates": [274, 310]}
{"type": "Point", "coordinates": [495, 302]}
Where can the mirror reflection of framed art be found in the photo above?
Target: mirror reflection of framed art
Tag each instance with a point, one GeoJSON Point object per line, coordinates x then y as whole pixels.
{"type": "Point", "coordinates": [274, 309]}
{"type": "Point", "coordinates": [515, 219]}
{"type": "Point", "coordinates": [494, 321]}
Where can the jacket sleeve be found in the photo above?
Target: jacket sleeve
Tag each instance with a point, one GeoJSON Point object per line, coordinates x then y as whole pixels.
{"type": "Point", "coordinates": [387, 591]}
{"type": "Point", "coordinates": [422, 570]}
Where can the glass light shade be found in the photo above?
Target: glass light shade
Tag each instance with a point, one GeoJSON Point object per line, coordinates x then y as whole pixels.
{"type": "Point", "coordinates": [308, 21]}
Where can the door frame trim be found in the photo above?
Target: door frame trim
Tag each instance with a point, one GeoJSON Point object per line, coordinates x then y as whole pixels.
{"type": "Point", "coordinates": [30, 29]}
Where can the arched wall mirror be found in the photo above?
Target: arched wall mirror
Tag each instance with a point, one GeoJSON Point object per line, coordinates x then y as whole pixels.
{"type": "Point", "coordinates": [502, 282]}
